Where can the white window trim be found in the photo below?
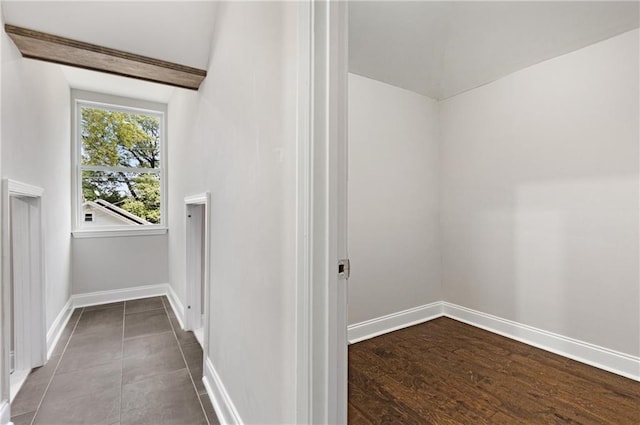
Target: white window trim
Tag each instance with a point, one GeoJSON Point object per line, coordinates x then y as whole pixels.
{"type": "Point", "coordinates": [124, 104]}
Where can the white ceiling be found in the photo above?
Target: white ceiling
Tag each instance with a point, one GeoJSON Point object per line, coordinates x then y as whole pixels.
{"type": "Point", "coordinates": [174, 31]}
{"type": "Point", "coordinates": [116, 85]}
{"type": "Point", "coordinates": [440, 49]}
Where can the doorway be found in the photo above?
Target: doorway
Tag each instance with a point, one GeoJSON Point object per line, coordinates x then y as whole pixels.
{"type": "Point", "coordinates": [197, 265]}
{"type": "Point", "coordinates": [23, 281]}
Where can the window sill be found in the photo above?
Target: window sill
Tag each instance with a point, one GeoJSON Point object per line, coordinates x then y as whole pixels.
{"type": "Point", "coordinates": [116, 233]}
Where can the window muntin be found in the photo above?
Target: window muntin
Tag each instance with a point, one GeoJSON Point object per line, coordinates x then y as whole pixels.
{"type": "Point", "coordinates": [119, 162]}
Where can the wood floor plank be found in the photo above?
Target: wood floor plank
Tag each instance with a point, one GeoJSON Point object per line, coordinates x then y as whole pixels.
{"type": "Point", "coordinates": [447, 372]}
{"type": "Point", "coordinates": [381, 406]}
{"type": "Point", "coordinates": [530, 367]}
{"type": "Point", "coordinates": [618, 400]}
{"type": "Point", "coordinates": [413, 379]}
{"type": "Point", "coordinates": [355, 417]}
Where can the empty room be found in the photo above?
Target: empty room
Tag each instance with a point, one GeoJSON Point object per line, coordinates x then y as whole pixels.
{"type": "Point", "coordinates": [319, 212]}
{"type": "Point", "coordinates": [493, 213]}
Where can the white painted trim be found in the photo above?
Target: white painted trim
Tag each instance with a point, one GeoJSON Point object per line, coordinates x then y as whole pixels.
{"type": "Point", "coordinates": [603, 358]}
{"type": "Point", "coordinates": [81, 98]}
{"type": "Point", "coordinates": [196, 259]}
{"type": "Point", "coordinates": [17, 380]}
{"type": "Point", "coordinates": [32, 298]}
{"type": "Point", "coordinates": [5, 414]}
{"type": "Point", "coordinates": [103, 297]}
{"type": "Point", "coordinates": [199, 199]}
{"type": "Point", "coordinates": [223, 405]}
{"type": "Point", "coordinates": [304, 330]}
{"type": "Point", "coordinates": [394, 321]}
{"type": "Point", "coordinates": [338, 224]}
{"type": "Point", "coordinates": [58, 325]}
{"type": "Point", "coordinates": [116, 295]}
{"type": "Point", "coordinates": [199, 334]}
{"type": "Point", "coordinates": [147, 230]}
{"type": "Point", "coordinates": [584, 352]}
{"type": "Point", "coordinates": [17, 188]}
{"type": "Point", "coordinates": [176, 305]}
{"type": "Point", "coordinates": [321, 212]}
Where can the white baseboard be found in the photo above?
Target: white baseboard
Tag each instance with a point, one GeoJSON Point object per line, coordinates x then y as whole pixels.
{"type": "Point", "coordinates": [176, 305]}
{"type": "Point", "coordinates": [117, 295]}
{"type": "Point", "coordinates": [584, 352]}
{"type": "Point", "coordinates": [100, 297]}
{"type": "Point", "coordinates": [126, 294]}
{"type": "Point", "coordinates": [392, 322]}
{"type": "Point", "coordinates": [58, 325]}
{"type": "Point", "coordinates": [5, 414]}
{"type": "Point", "coordinates": [112, 296]}
{"type": "Point", "coordinates": [603, 358]}
{"type": "Point", "coordinates": [222, 404]}
{"type": "Point", "coordinates": [16, 381]}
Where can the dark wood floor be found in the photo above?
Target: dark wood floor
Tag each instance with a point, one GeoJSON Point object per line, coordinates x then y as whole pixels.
{"type": "Point", "coordinates": [447, 372]}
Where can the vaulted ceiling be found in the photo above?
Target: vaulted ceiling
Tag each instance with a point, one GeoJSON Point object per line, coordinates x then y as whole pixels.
{"type": "Point", "coordinates": [440, 49]}
{"type": "Point", "coordinates": [436, 48]}
{"type": "Point", "coordinates": [172, 31]}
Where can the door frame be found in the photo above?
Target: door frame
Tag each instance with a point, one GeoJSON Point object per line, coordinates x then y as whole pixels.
{"type": "Point", "coordinates": [32, 299]}
{"type": "Point", "coordinates": [193, 246]}
{"type": "Point", "coordinates": [321, 213]}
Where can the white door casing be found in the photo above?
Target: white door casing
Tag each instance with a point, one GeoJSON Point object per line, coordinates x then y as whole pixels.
{"type": "Point", "coordinates": [321, 233]}
{"type": "Point", "coordinates": [24, 229]}
{"type": "Point", "coordinates": [197, 246]}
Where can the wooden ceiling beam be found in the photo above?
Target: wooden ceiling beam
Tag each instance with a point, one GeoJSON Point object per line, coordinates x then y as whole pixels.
{"type": "Point", "coordinates": [51, 48]}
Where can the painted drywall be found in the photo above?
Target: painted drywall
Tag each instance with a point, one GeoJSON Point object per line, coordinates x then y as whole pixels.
{"type": "Point", "coordinates": [393, 200]}
{"type": "Point", "coordinates": [183, 181]}
{"type": "Point", "coordinates": [238, 142]}
{"type": "Point", "coordinates": [35, 147]}
{"type": "Point", "coordinates": [443, 48]}
{"type": "Point", "coordinates": [540, 196]}
{"type": "Point", "coordinates": [104, 264]}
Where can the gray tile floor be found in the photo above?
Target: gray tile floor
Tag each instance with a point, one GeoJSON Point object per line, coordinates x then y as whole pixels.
{"type": "Point", "coordinates": [119, 364]}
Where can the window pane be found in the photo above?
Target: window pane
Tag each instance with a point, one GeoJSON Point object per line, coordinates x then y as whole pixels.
{"type": "Point", "coordinates": [111, 138]}
{"type": "Point", "coordinates": [120, 199]}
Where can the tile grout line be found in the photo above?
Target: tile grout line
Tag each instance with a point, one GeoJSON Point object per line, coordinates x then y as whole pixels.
{"type": "Point", "coordinates": [124, 318]}
{"type": "Point", "coordinates": [53, 374]}
{"type": "Point", "coordinates": [175, 336]}
{"type": "Point", "coordinates": [133, 338]}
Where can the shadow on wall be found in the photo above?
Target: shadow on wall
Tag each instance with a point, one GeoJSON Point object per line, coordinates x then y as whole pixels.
{"type": "Point", "coordinates": [540, 196]}
{"type": "Point", "coordinates": [576, 258]}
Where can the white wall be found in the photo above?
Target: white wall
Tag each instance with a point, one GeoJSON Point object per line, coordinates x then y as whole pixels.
{"type": "Point", "coordinates": [35, 150]}
{"type": "Point", "coordinates": [183, 180]}
{"type": "Point", "coordinates": [236, 139]}
{"type": "Point", "coordinates": [102, 264]}
{"type": "Point", "coordinates": [393, 199]}
{"type": "Point", "coordinates": [540, 196]}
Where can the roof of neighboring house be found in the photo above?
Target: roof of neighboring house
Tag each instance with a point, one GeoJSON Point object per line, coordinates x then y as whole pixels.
{"type": "Point", "coordinates": [115, 211]}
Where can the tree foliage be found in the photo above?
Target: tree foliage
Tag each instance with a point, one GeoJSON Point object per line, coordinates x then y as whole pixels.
{"type": "Point", "coordinates": [119, 139]}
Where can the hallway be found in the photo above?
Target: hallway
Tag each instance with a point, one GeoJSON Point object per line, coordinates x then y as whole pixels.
{"type": "Point", "coordinates": [120, 363]}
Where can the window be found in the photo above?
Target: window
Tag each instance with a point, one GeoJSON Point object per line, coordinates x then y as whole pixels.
{"type": "Point", "coordinates": [119, 182]}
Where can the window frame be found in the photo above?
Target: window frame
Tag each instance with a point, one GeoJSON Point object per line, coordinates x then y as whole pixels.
{"type": "Point", "coordinates": [81, 98]}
